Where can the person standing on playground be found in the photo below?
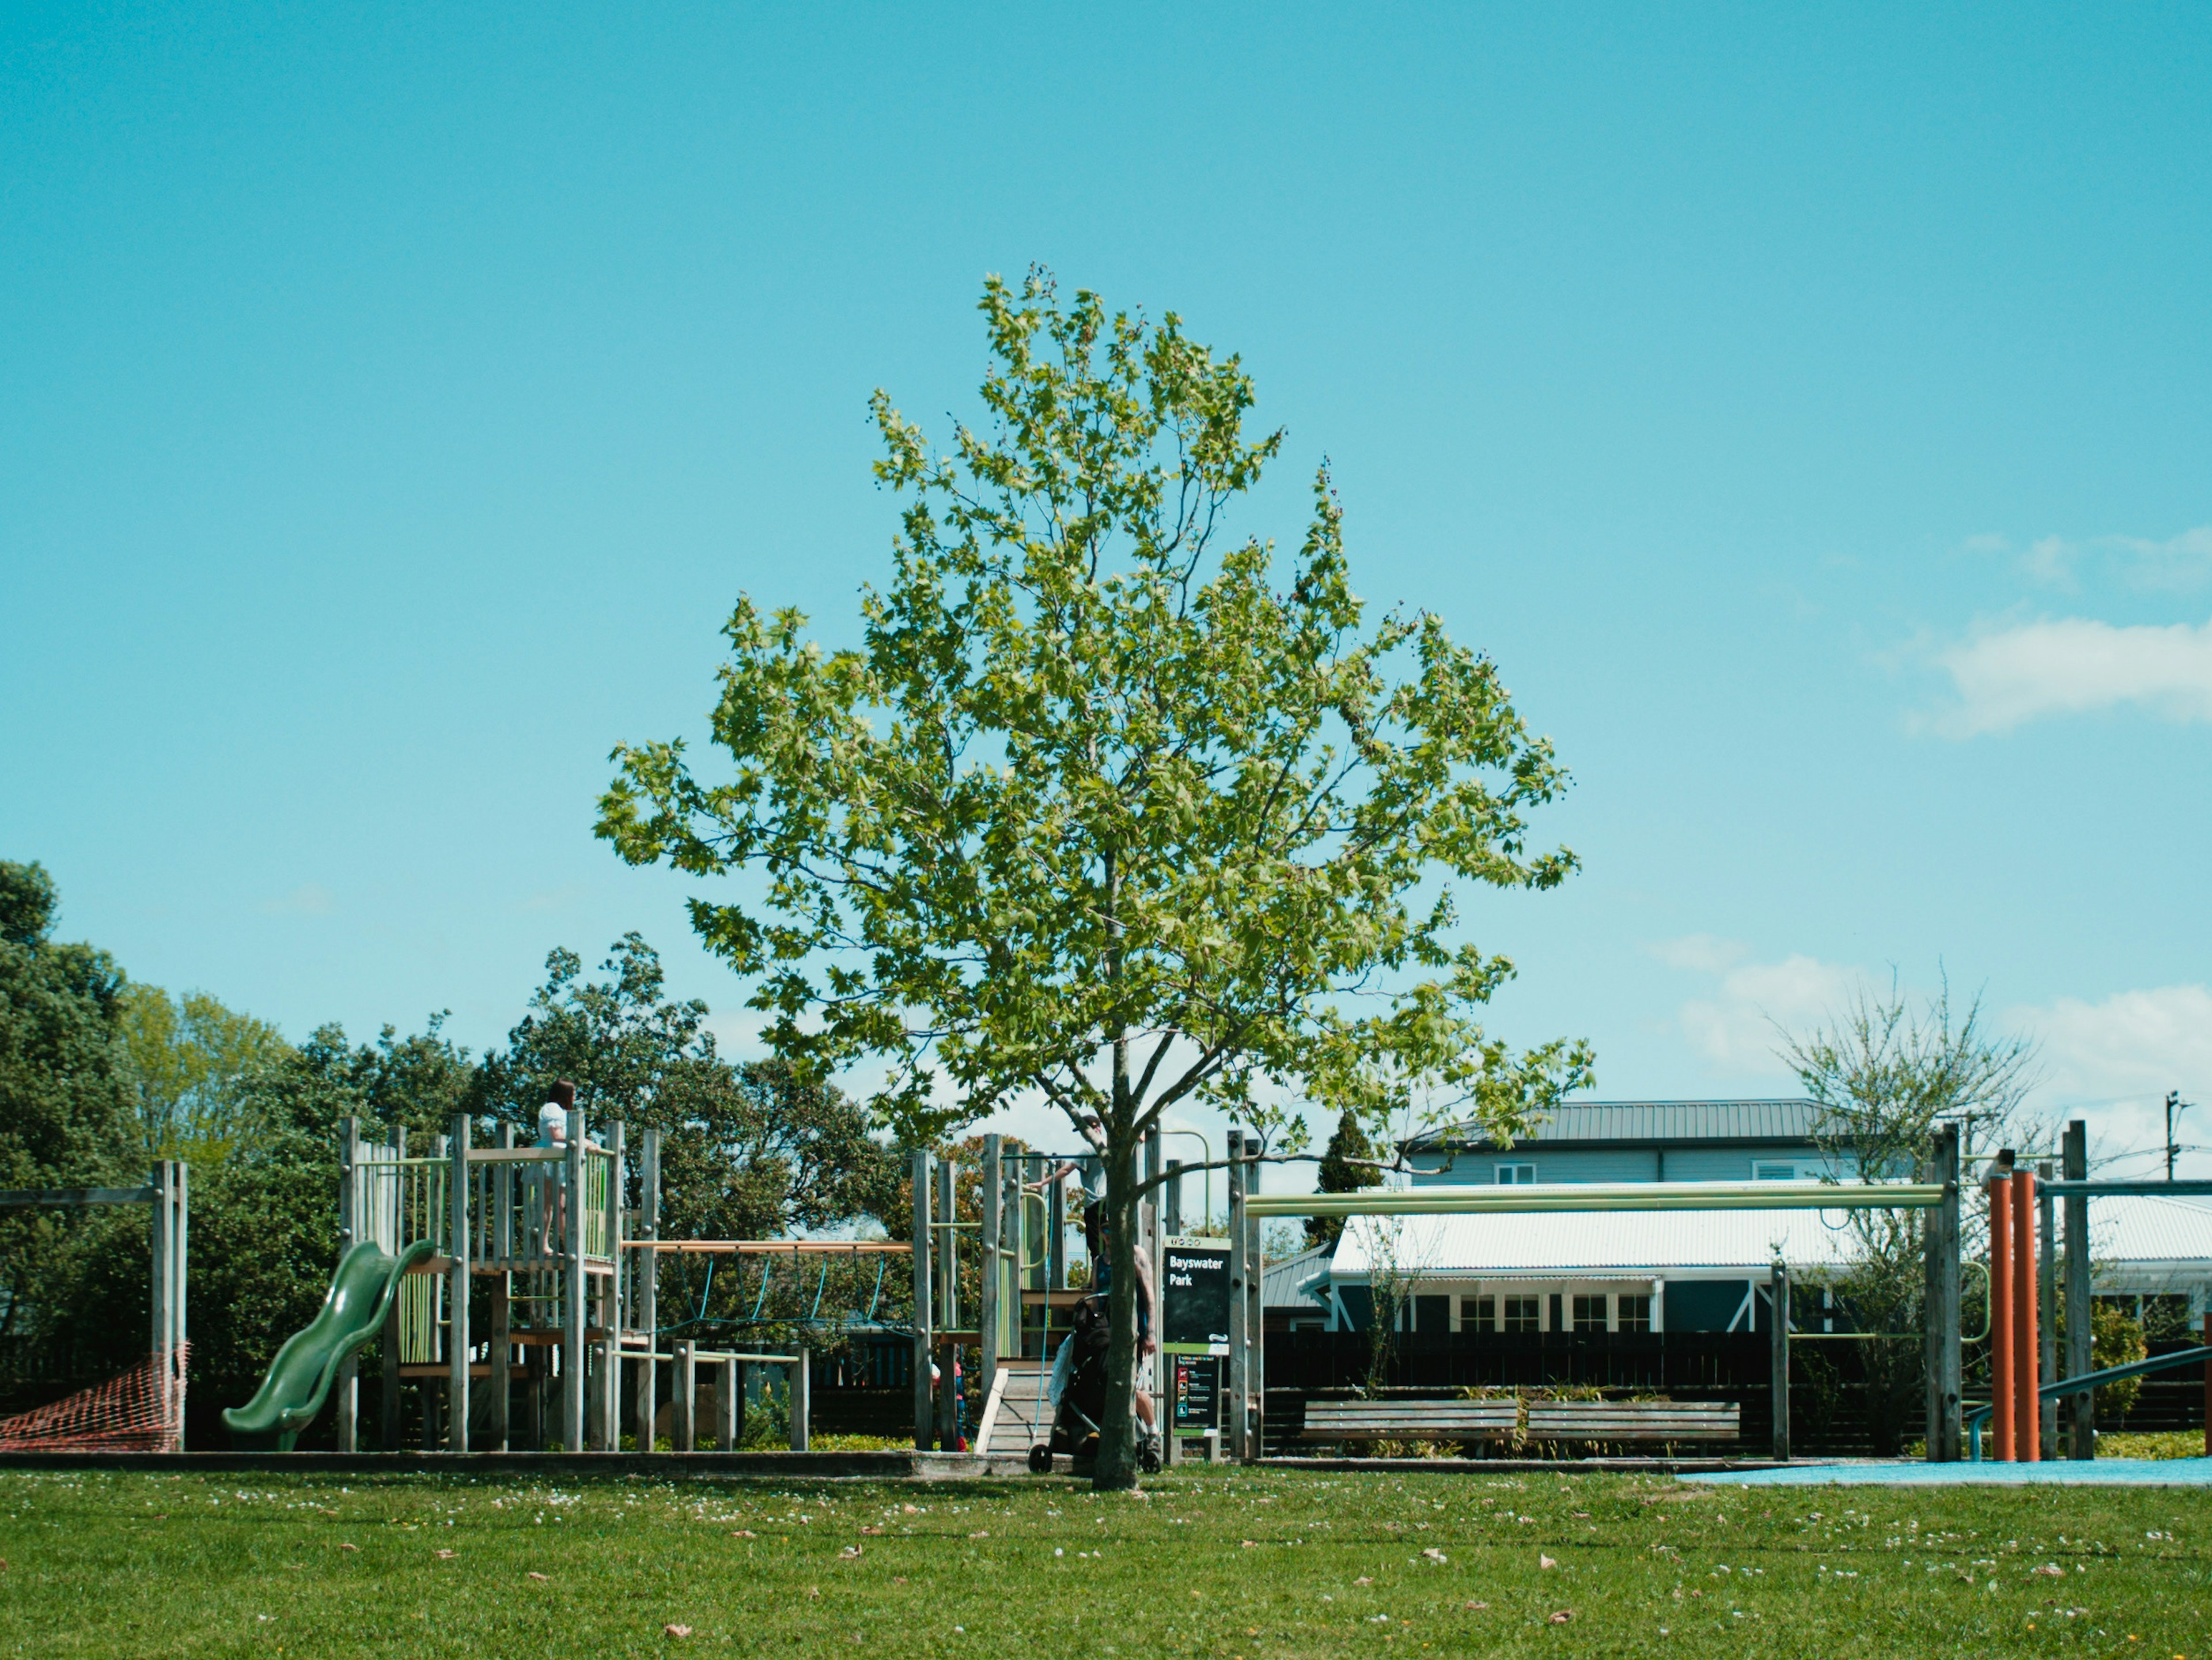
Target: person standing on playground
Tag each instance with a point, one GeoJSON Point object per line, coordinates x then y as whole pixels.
{"type": "Point", "coordinates": [1148, 1343]}
{"type": "Point", "coordinates": [1090, 1173]}
{"type": "Point", "coordinates": [553, 1134]}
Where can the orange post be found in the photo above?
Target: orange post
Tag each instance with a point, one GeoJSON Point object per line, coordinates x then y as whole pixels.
{"type": "Point", "coordinates": [2002, 1352]}
{"type": "Point", "coordinates": [2027, 1351]}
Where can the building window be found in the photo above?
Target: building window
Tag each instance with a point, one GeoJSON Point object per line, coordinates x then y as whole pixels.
{"type": "Point", "coordinates": [1478, 1314]}
{"type": "Point", "coordinates": [1522, 1313]}
{"type": "Point", "coordinates": [1635, 1313]}
{"type": "Point", "coordinates": [1589, 1313]}
{"type": "Point", "coordinates": [1516, 1176]}
{"type": "Point", "coordinates": [1763, 1172]}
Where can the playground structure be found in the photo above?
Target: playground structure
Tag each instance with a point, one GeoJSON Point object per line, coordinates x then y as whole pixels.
{"type": "Point", "coordinates": [487, 1267]}
{"type": "Point", "coordinates": [2026, 1383]}
{"type": "Point", "coordinates": [144, 1409]}
{"type": "Point", "coordinates": [999, 1284]}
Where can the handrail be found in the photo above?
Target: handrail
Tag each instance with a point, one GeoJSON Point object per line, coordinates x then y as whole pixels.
{"type": "Point", "coordinates": [2089, 1380]}
{"type": "Point", "coordinates": [1437, 1198]}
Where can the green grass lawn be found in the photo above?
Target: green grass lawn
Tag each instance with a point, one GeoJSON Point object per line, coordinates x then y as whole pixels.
{"type": "Point", "coordinates": [1249, 1565]}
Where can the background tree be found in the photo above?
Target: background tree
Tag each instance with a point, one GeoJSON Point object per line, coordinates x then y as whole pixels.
{"type": "Point", "coordinates": [64, 1104]}
{"type": "Point", "coordinates": [1106, 809]}
{"type": "Point", "coordinates": [749, 1151]}
{"type": "Point", "coordinates": [190, 1061]}
{"type": "Point", "coordinates": [1348, 1164]}
{"type": "Point", "coordinates": [1885, 1075]}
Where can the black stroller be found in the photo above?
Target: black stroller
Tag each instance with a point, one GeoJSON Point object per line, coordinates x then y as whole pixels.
{"type": "Point", "coordinates": [1083, 1401]}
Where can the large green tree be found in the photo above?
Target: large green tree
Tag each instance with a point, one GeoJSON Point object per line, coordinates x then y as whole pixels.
{"type": "Point", "coordinates": [1111, 805]}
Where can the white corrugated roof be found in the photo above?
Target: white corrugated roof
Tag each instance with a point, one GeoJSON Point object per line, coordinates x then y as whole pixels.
{"type": "Point", "coordinates": [1630, 1244]}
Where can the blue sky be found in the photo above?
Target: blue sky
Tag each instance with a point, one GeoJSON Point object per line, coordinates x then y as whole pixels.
{"type": "Point", "coordinates": [1810, 412]}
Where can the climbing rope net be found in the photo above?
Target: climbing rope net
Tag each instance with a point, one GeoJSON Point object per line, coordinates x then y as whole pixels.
{"type": "Point", "coordinates": [136, 1412]}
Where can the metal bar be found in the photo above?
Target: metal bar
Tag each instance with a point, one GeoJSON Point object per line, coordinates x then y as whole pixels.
{"type": "Point", "coordinates": [1239, 1267]}
{"type": "Point", "coordinates": [611, 1297]}
{"type": "Point", "coordinates": [777, 1247]}
{"type": "Point", "coordinates": [2046, 1320]}
{"type": "Point", "coordinates": [1778, 1297]}
{"type": "Point", "coordinates": [946, 1312]}
{"type": "Point", "coordinates": [1602, 1196]}
{"type": "Point", "coordinates": [572, 1288]}
{"type": "Point", "coordinates": [1256, 1338]}
{"type": "Point", "coordinates": [1944, 1360]}
{"type": "Point", "coordinates": [180, 1197]}
{"type": "Point", "coordinates": [924, 1395]}
{"type": "Point", "coordinates": [2003, 1392]}
{"type": "Point", "coordinates": [499, 1239]}
{"type": "Point", "coordinates": [58, 1198]}
{"type": "Point", "coordinates": [989, 1315]}
{"type": "Point", "coordinates": [2184, 1189]}
{"type": "Point", "coordinates": [2026, 1420]}
{"type": "Point", "coordinates": [647, 1311]}
{"type": "Point", "coordinates": [348, 1379]}
{"type": "Point", "coordinates": [457, 1316]}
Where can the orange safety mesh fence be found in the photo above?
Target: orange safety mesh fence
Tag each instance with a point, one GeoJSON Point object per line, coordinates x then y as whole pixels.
{"type": "Point", "coordinates": [131, 1412]}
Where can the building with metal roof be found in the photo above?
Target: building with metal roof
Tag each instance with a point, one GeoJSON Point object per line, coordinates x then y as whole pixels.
{"type": "Point", "coordinates": [1549, 1271]}
{"type": "Point", "coordinates": [1637, 1141]}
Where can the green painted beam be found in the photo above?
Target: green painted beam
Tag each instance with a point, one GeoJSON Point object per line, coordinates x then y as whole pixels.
{"type": "Point", "coordinates": [1442, 1200]}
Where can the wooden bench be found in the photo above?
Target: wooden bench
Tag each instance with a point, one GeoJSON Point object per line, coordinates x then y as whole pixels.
{"type": "Point", "coordinates": [1634, 1421]}
{"type": "Point", "coordinates": [1411, 1421]}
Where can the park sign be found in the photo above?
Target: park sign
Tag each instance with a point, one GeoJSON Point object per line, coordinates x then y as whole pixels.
{"type": "Point", "coordinates": [1194, 1296]}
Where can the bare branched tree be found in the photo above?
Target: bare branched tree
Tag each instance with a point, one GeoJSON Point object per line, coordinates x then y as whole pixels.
{"type": "Point", "coordinates": [1885, 1073]}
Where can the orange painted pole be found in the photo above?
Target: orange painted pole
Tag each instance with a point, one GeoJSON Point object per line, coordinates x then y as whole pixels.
{"type": "Point", "coordinates": [2027, 1365]}
{"type": "Point", "coordinates": [2002, 1352]}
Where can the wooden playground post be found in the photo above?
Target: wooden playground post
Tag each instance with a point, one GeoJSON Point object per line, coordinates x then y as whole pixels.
{"type": "Point", "coordinates": [1942, 1316]}
{"type": "Point", "coordinates": [731, 1404]}
{"type": "Point", "coordinates": [646, 1300]}
{"type": "Point", "coordinates": [457, 1294]}
{"type": "Point", "coordinates": [800, 1397]}
{"type": "Point", "coordinates": [2074, 1162]}
{"type": "Point", "coordinates": [685, 1418]}
{"type": "Point", "coordinates": [501, 1243]}
{"type": "Point", "coordinates": [166, 1292]}
{"type": "Point", "coordinates": [572, 1275]}
{"type": "Point", "coordinates": [1777, 1300]}
{"type": "Point", "coordinates": [1172, 1202]}
{"type": "Point", "coordinates": [924, 1398]}
{"type": "Point", "coordinates": [987, 1316]}
{"type": "Point", "coordinates": [349, 1381]}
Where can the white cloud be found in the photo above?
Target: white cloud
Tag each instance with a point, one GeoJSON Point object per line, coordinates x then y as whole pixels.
{"type": "Point", "coordinates": [308, 899]}
{"type": "Point", "coordinates": [1740, 1025]}
{"type": "Point", "coordinates": [2177, 562]}
{"type": "Point", "coordinates": [2112, 1062]}
{"type": "Point", "coordinates": [1707, 953]}
{"type": "Point", "coordinates": [2008, 675]}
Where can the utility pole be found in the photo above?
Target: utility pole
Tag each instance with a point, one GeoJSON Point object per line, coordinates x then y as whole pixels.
{"type": "Point", "coordinates": [2175, 1106]}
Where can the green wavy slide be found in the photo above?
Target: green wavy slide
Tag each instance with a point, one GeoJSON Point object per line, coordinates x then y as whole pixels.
{"type": "Point", "coordinates": [300, 1377]}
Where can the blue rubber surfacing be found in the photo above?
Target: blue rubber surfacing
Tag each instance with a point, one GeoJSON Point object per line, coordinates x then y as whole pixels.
{"type": "Point", "coordinates": [2092, 1472]}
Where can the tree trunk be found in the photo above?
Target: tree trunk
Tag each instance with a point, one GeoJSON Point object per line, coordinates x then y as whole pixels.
{"type": "Point", "coordinates": [1117, 1435]}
